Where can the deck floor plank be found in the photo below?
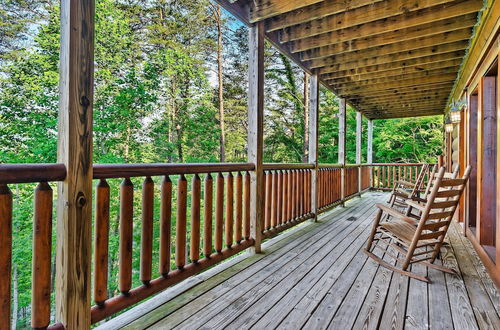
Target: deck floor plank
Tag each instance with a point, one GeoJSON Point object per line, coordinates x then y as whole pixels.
{"type": "Point", "coordinates": [317, 277]}
{"type": "Point", "coordinates": [217, 297]}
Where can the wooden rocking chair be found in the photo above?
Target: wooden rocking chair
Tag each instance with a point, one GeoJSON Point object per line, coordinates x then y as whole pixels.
{"type": "Point", "coordinates": [418, 240]}
{"type": "Point", "coordinates": [404, 190]}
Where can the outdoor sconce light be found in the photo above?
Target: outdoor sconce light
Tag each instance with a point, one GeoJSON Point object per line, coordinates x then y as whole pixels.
{"type": "Point", "coordinates": [455, 115]}
{"type": "Point", "coordinates": [448, 126]}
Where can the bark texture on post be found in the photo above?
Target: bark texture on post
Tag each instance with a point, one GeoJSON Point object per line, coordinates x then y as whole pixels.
{"type": "Point", "coordinates": [342, 127]}
{"type": "Point", "coordinates": [313, 140]}
{"type": "Point", "coordinates": [359, 135]}
{"type": "Point", "coordinates": [74, 223]}
{"type": "Point", "coordinates": [255, 129]}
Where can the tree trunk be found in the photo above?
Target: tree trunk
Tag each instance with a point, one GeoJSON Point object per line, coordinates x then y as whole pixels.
{"type": "Point", "coordinates": [305, 153]}
{"type": "Point", "coordinates": [218, 20]}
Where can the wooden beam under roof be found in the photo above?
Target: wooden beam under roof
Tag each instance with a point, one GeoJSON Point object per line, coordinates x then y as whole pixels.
{"type": "Point", "coordinates": [407, 45]}
{"type": "Point", "coordinates": [381, 88]}
{"type": "Point", "coordinates": [343, 70]}
{"type": "Point", "coordinates": [398, 52]}
{"type": "Point", "coordinates": [382, 84]}
{"type": "Point", "coordinates": [424, 113]}
{"type": "Point", "coordinates": [262, 9]}
{"type": "Point", "coordinates": [416, 74]}
{"type": "Point", "coordinates": [400, 89]}
{"type": "Point", "coordinates": [362, 37]}
{"type": "Point", "coordinates": [401, 97]}
{"type": "Point", "coordinates": [373, 12]}
{"type": "Point", "coordinates": [314, 12]}
{"type": "Point", "coordinates": [406, 105]}
{"type": "Point", "coordinates": [393, 72]}
{"type": "Point", "coordinates": [391, 58]}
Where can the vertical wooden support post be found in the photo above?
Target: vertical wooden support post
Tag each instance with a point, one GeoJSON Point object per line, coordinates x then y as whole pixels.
{"type": "Point", "coordinates": [359, 132]}
{"type": "Point", "coordinates": [369, 151]}
{"type": "Point", "coordinates": [74, 206]}
{"type": "Point", "coordinates": [342, 126]}
{"type": "Point", "coordinates": [486, 167]}
{"type": "Point", "coordinates": [313, 140]}
{"type": "Point", "coordinates": [256, 129]}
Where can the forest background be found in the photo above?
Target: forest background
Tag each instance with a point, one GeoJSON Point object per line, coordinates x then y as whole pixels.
{"type": "Point", "coordinates": [170, 86]}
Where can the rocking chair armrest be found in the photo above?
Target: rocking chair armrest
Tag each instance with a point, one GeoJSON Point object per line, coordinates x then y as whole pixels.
{"type": "Point", "coordinates": [405, 183]}
{"type": "Point", "coordinates": [419, 199]}
{"type": "Point", "coordinates": [395, 213]}
{"type": "Point", "coordinates": [415, 204]}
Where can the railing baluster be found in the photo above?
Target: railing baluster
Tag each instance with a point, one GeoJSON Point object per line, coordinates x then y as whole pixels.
{"type": "Point", "coordinates": [269, 194]}
{"type": "Point", "coordinates": [195, 219]}
{"type": "Point", "coordinates": [101, 243]}
{"type": "Point", "coordinates": [180, 236]}
{"type": "Point", "coordinates": [284, 216]}
{"type": "Point", "coordinates": [5, 251]}
{"type": "Point", "coordinates": [165, 225]}
{"type": "Point", "coordinates": [42, 247]}
{"type": "Point", "coordinates": [126, 234]}
{"type": "Point", "coordinates": [239, 208]}
{"type": "Point", "coordinates": [229, 210]}
{"type": "Point", "coordinates": [219, 215]}
{"type": "Point", "coordinates": [147, 230]}
{"type": "Point", "coordinates": [279, 214]}
{"type": "Point", "coordinates": [207, 216]}
{"type": "Point", "coordinates": [274, 207]}
{"type": "Point", "coordinates": [246, 224]}
{"type": "Point", "coordinates": [289, 196]}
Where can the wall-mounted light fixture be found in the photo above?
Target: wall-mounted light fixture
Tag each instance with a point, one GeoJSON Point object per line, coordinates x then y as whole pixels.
{"type": "Point", "coordinates": [455, 114]}
{"type": "Point", "coordinates": [448, 126]}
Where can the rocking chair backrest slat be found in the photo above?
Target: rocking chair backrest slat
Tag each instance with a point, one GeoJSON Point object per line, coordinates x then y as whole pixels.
{"type": "Point", "coordinates": [445, 194]}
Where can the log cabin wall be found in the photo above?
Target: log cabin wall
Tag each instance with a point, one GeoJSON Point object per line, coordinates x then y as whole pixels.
{"type": "Point", "coordinates": [477, 84]}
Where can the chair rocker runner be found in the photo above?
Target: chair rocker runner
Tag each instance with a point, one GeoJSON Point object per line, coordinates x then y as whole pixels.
{"type": "Point", "coordinates": [417, 240]}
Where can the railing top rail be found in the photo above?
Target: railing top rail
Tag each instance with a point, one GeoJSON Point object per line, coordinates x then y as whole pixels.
{"type": "Point", "coordinates": [109, 171]}
{"type": "Point", "coordinates": [279, 166]}
{"type": "Point", "coordinates": [339, 165]}
{"type": "Point", "coordinates": [397, 164]}
{"type": "Point", "coordinates": [31, 173]}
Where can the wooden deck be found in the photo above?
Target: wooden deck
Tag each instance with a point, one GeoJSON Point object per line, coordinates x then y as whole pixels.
{"type": "Point", "coordinates": [317, 277]}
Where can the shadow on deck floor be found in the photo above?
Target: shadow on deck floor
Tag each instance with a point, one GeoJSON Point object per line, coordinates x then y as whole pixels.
{"type": "Point", "coordinates": [317, 277]}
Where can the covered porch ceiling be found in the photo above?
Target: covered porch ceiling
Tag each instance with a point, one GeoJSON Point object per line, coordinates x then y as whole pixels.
{"type": "Point", "coordinates": [388, 58]}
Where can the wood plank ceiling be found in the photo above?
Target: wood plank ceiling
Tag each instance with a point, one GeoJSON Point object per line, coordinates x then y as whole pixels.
{"type": "Point", "coordinates": [388, 58]}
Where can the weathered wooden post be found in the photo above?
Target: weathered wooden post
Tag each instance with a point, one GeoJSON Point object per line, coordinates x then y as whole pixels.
{"type": "Point", "coordinates": [256, 129]}
{"type": "Point", "coordinates": [341, 161]}
{"type": "Point", "coordinates": [359, 132]}
{"type": "Point", "coordinates": [369, 151]}
{"type": "Point", "coordinates": [313, 140]}
{"type": "Point", "coordinates": [74, 205]}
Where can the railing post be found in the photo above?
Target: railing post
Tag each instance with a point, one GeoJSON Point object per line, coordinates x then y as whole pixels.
{"type": "Point", "coordinates": [359, 132]}
{"type": "Point", "coordinates": [255, 129]}
{"type": "Point", "coordinates": [313, 140]}
{"type": "Point", "coordinates": [369, 156]}
{"type": "Point", "coordinates": [74, 205]}
{"type": "Point", "coordinates": [342, 126]}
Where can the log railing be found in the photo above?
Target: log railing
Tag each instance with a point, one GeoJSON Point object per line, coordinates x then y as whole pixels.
{"type": "Point", "coordinates": [287, 196]}
{"type": "Point", "coordinates": [210, 205]}
{"type": "Point", "coordinates": [329, 186]}
{"type": "Point", "coordinates": [191, 217]}
{"type": "Point", "coordinates": [351, 181]}
{"type": "Point", "coordinates": [43, 174]}
{"type": "Point", "coordinates": [385, 175]}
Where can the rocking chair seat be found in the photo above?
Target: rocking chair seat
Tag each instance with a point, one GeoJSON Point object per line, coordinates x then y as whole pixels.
{"type": "Point", "coordinates": [400, 229]}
